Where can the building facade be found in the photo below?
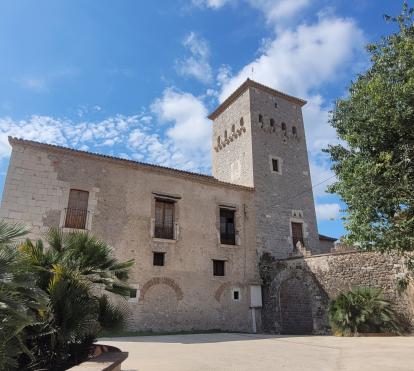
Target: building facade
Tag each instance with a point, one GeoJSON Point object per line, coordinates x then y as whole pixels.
{"type": "Point", "coordinates": [196, 239]}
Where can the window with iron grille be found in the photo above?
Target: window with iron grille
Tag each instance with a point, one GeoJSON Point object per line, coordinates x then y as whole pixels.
{"type": "Point", "coordinates": [218, 267]}
{"type": "Point", "coordinates": [158, 259]}
{"type": "Point", "coordinates": [164, 219]}
{"type": "Point", "coordinates": [77, 210]}
{"type": "Point", "coordinates": [227, 227]}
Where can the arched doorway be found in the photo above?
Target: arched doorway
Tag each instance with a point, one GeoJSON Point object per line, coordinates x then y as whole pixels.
{"type": "Point", "coordinates": [295, 308]}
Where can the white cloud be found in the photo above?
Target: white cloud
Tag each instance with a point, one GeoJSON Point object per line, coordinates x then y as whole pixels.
{"type": "Point", "coordinates": [303, 59]}
{"type": "Point", "coordinates": [215, 4]}
{"type": "Point", "coordinates": [196, 64]}
{"type": "Point", "coordinates": [327, 211]}
{"type": "Point", "coordinates": [191, 127]}
{"type": "Point", "coordinates": [35, 84]}
{"type": "Point", "coordinates": [279, 10]}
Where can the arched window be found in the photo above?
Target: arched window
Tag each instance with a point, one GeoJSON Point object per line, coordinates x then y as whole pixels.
{"type": "Point", "coordinates": [294, 131]}
{"type": "Point", "coordinates": [272, 123]}
{"type": "Point", "coordinates": [241, 122]}
{"type": "Point", "coordinates": [233, 128]}
{"type": "Point", "coordinates": [283, 126]}
{"type": "Point", "coordinates": [260, 118]}
{"type": "Point", "coordinates": [225, 134]}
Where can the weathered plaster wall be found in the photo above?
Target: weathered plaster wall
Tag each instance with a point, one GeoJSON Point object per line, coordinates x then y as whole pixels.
{"type": "Point", "coordinates": [297, 291]}
{"type": "Point", "coordinates": [183, 294]}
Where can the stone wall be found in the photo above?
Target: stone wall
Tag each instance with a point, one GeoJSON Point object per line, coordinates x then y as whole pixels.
{"type": "Point", "coordinates": [181, 295]}
{"type": "Point", "coordinates": [297, 291]}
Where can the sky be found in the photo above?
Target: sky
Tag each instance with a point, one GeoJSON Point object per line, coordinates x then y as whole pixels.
{"type": "Point", "coordinates": [137, 79]}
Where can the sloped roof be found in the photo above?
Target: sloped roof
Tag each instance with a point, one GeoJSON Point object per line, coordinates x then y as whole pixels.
{"type": "Point", "coordinates": [252, 84]}
{"type": "Point", "coordinates": [137, 164]}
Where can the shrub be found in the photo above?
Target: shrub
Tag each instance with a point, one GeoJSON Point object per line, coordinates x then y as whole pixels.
{"type": "Point", "coordinates": [362, 310]}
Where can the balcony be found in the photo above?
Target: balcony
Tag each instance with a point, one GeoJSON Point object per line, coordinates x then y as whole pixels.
{"type": "Point", "coordinates": [76, 218]}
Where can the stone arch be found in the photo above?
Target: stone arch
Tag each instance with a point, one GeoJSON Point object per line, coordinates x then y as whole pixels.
{"type": "Point", "coordinates": [295, 307]}
{"type": "Point", "coordinates": [162, 281]}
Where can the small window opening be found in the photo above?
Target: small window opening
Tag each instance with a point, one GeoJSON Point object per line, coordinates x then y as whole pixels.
{"type": "Point", "coordinates": [272, 123]}
{"type": "Point", "coordinates": [283, 126]}
{"type": "Point", "coordinates": [159, 259]}
{"type": "Point", "coordinates": [218, 139]}
{"type": "Point", "coordinates": [133, 293]}
{"type": "Point", "coordinates": [227, 227]}
{"type": "Point", "coordinates": [276, 106]}
{"type": "Point", "coordinates": [225, 134]}
{"type": "Point", "coordinates": [236, 295]}
{"type": "Point", "coordinates": [233, 128]}
{"type": "Point", "coordinates": [275, 165]}
{"type": "Point", "coordinates": [261, 118]}
{"type": "Point", "coordinates": [218, 267]}
{"type": "Point", "coordinates": [241, 122]}
{"type": "Point", "coordinates": [294, 131]}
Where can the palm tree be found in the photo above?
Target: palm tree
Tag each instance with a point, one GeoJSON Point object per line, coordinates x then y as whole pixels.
{"type": "Point", "coordinates": [76, 269]}
{"type": "Point", "coordinates": [22, 305]}
{"type": "Point", "coordinates": [361, 310]}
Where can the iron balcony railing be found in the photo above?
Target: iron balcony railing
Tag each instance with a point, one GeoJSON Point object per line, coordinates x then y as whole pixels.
{"type": "Point", "coordinates": [164, 231]}
{"type": "Point", "coordinates": [76, 218]}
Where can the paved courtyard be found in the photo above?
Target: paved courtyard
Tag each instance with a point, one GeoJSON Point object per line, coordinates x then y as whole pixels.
{"type": "Point", "coordinates": [265, 352]}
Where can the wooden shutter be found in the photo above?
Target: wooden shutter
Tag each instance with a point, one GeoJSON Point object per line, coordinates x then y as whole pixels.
{"type": "Point", "coordinates": [77, 211]}
{"type": "Point", "coordinates": [164, 219]}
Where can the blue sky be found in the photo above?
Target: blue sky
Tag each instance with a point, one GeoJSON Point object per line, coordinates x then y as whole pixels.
{"type": "Point", "coordinates": [136, 79]}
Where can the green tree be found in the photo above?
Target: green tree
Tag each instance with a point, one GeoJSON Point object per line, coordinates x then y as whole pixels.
{"type": "Point", "coordinates": [374, 165]}
{"type": "Point", "coordinates": [78, 272]}
{"type": "Point", "coordinates": [22, 305]}
{"type": "Point", "coordinates": [362, 310]}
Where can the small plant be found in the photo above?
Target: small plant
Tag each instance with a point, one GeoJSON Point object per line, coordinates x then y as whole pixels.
{"type": "Point", "coordinates": [362, 310]}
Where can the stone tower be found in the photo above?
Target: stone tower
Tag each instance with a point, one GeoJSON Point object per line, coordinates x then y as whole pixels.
{"type": "Point", "coordinates": [259, 141]}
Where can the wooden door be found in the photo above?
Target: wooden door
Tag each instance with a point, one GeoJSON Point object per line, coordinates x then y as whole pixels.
{"type": "Point", "coordinates": [77, 211]}
{"type": "Point", "coordinates": [297, 234]}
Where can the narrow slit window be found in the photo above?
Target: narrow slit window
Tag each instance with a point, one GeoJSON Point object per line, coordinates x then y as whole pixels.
{"type": "Point", "coordinates": [294, 131]}
{"type": "Point", "coordinates": [241, 122]}
{"type": "Point", "coordinates": [164, 219]}
{"type": "Point", "coordinates": [275, 165]}
{"type": "Point", "coordinates": [227, 227]}
{"type": "Point", "coordinates": [272, 123]}
{"type": "Point", "coordinates": [77, 210]}
{"type": "Point", "coordinates": [283, 126]}
{"type": "Point", "coordinates": [219, 267]}
{"type": "Point", "coordinates": [236, 295]}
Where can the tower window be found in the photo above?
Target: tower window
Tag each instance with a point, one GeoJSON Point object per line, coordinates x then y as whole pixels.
{"type": "Point", "coordinates": [218, 139]}
{"type": "Point", "coordinates": [272, 123]}
{"type": "Point", "coordinates": [218, 267]}
{"type": "Point", "coordinates": [225, 134]}
{"type": "Point", "coordinates": [294, 131]}
{"type": "Point", "coordinates": [283, 126]}
{"type": "Point", "coordinates": [233, 128]}
{"type": "Point", "coordinates": [276, 105]}
{"type": "Point", "coordinates": [158, 259]}
{"type": "Point", "coordinates": [227, 227]}
{"type": "Point", "coordinates": [241, 122]}
{"type": "Point", "coordinates": [236, 294]}
{"type": "Point", "coordinates": [275, 164]}
{"type": "Point", "coordinates": [260, 118]}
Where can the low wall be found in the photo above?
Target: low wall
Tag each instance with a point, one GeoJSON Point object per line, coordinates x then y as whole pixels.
{"type": "Point", "coordinates": [297, 291]}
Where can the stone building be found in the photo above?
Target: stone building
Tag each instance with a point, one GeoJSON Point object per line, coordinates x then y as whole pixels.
{"type": "Point", "coordinates": [196, 239]}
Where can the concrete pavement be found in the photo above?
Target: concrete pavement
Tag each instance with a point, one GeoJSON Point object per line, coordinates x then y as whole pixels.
{"type": "Point", "coordinates": [225, 351]}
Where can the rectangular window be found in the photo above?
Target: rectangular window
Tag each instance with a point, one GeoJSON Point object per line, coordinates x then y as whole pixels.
{"type": "Point", "coordinates": [236, 295]}
{"type": "Point", "coordinates": [275, 165]}
{"type": "Point", "coordinates": [227, 227]}
{"type": "Point", "coordinates": [77, 210]}
{"type": "Point", "coordinates": [218, 267]}
{"type": "Point", "coordinates": [297, 234]}
{"type": "Point", "coordinates": [164, 219]}
{"type": "Point", "coordinates": [158, 259]}
{"type": "Point", "coordinates": [133, 293]}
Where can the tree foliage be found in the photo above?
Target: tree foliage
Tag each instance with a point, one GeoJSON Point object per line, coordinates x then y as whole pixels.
{"type": "Point", "coordinates": [375, 163]}
{"type": "Point", "coordinates": [55, 300]}
{"type": "Point", "coordinates": [362, 310]}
